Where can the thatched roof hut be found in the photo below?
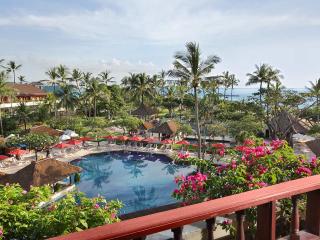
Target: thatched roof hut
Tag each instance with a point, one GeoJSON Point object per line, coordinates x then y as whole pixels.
{"type": "Point", "coordinates": [167, 128]}
{"type": "Point", "coordinates": [284, 125]}
{"type": "Point", "coordinates": [314, 146]}
{"type": "Point", "coordinates": [38, 173]}
{"type": "Point", "coordinates": [143, 111]}
{"type": "Point", "coordinates": [146, 126]}
{"type": "Point", "coordinates": [47, 130]}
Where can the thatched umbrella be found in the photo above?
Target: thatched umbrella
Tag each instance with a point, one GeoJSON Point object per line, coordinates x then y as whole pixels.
{"type": "Point", "coordinates": [38, 173]}
{"type": "Point", "coordinates": [314, 146]}
{"type": "Point", "coordinates": [143, 111]}
{"type": "Point", "coordinates": [168, 128]}
{"type": "Point", "coordinates": [44, 129]}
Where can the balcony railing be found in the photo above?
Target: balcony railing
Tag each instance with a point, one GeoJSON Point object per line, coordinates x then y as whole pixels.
{"type": "Point", "coordinates": [264, 199]}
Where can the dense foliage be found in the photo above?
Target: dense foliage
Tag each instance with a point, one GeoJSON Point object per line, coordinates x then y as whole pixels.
{"type": "Point", "coordinates": [22, 218]}
{"type": "Point", "coordinates": [251, 166]}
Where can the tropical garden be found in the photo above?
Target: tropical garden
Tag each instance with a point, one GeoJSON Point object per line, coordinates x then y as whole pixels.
{"type": "Point", "coordinates": [201, 100]}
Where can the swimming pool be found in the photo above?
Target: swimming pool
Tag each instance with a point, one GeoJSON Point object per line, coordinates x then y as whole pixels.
{"type": "Point", "coordinates": [140, 180]}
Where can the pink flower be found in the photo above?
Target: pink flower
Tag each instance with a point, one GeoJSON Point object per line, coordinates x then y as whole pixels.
{"type": "Point", "coordinates": [1, 232]}
{"type": "Point", "coordinates": [303, 171]}
{"type": "Point", "coordinates": [227, 222]}
{"type": "Point", "coordinates": [113, 216]}
{"type": "Point", "coordinates": [96, 206]}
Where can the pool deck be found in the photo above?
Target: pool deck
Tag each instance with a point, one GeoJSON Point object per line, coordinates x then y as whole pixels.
{"type": "Point", "coordinates": [91, 148]}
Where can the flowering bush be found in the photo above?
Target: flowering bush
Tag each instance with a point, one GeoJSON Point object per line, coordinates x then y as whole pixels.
{"type": "Point", "coordinates": [21, 218]}
{"type": "Point", "coordinates": [253, 165]}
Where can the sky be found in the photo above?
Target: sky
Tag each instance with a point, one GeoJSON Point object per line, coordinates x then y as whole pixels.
{"type": "Point", "coordinates": [143, 35]}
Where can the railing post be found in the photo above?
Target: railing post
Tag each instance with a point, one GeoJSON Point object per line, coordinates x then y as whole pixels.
{"type": "Point", "coordinates": [313, 213]}
{"type": "Point", "coordinates": [266, 221]}
{"type": "Point", "coordinates": [295, 224]}
{"type": "Point", "coordinates": [210, 227]}
{"type": "Point", "coordinates": [240, 227]}
{"type": "Point", "coordinates": [177, 233]}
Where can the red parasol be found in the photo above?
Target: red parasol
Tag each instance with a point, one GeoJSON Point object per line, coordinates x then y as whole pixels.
{"type": "Point", "coordinates": [3, 157]}
{"type": "Point", "coordinates": [109, 137]}
{"type": "Point", "coordinates": [74, 142]}
{"type": "Point", "coordinates": [85, 139]}
{"type": "Point", "coordinates": [150, 140]}
{"type": "Point", "coordinates": [167, 141]}
{"type": "Point", "coordinates": [183, 142]}
{"type": "Point", "coordinates": [17, 152]}
{"type": "Point", "coordinates": [61, 145]}
{"type": "Point", "coordinates": [135, 138]}
{"type": "Point", "coordinates": [122, 138]}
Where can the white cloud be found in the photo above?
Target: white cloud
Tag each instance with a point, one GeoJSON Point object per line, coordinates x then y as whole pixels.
{"type": "Point", "coordinates": [34, 67]}
{"type": "Point", "coordinates": [158, 21]}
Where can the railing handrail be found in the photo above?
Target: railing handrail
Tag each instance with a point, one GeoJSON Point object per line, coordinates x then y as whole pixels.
{"type": "Point", "coordinates": [146, 225]}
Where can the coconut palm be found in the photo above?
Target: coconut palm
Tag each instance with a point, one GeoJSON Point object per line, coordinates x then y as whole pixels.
{"type": "Point", "coordinates": [140, 85]}
{"type": "Point", "coordinates": [106, 77]}
{"type": "Point", "coordinates": [5, 91]}
{"type": "Point", "coordinates": [63, 72]}
{"type": "Point", "coordinates": [12, 67]}
{"type": "Point", "coordinates": [22, 79]}
{"type": "Point", "coordinates": [23, 114]}
{"type": "Point", "coordinates": [96, 90]}
{"type": "Point", "coordinates": [233, 82]}
{"type": "Point", "coordinates": [76, 77]}
{"type": "Point", "coordinates": [264, 74]}
{"type": "Point", "coordinates": [53, 77]}
{"type": "Point", "coordinates": [68, 96]}
{"type": "Point", "coordinates": [314, 92]}
{"type": "Point", "coordinates": [190, 67]}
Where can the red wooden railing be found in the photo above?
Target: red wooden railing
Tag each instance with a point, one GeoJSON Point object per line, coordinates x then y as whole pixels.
{"type": "Point", "coordinates": [264, 198]}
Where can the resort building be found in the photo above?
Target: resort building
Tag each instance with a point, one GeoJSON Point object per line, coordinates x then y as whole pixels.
{"type": "Point", "coordinates": [28, 94]}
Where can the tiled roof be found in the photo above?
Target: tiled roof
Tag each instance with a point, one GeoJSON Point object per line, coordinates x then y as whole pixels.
{"type": "Point", "coordinates": [24, 90]}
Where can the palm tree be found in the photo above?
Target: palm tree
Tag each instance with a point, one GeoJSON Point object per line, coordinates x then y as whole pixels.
{"type": "Point", "coordinates": [77, 77]}
{"type": "Point", "coordinates": [53, 77]}
{"type": "Point", "coordinates": [62, 72]}
{"type": "Point", "coordinates": [259, 76]}
{"type": "Point", "coordinates": [233, 82]}
{"type": "Point", "coordinates": [96, 90]}
{"type": "Point", "coordinates": [314, 92]}
{"type": "Point", "coordinates": [190, 67]}
{"type": "Point", "coordinates": [22, 79]}
{"type": "Point", "coordinates": [24, 114]}
{"type": "Point", "coordinates": [5, 91]}
{"type": "Point", "coordinates": [13, 67]}
{"type": "Point", "coordinates": [68, 96]}
{"type": "Point", "coordinates": [105, 77]}
{"type": "Point", "coordinates": [140, 85]}
{"type": "Point", "coordinates": [226, 81]}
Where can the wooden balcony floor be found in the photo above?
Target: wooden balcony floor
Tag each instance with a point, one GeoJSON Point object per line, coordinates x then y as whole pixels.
{"type": "Point", "coordinates": [304, 236]}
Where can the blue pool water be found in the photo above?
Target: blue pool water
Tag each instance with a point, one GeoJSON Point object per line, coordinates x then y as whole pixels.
{"type": "Point", "coordinates": [140, 180]}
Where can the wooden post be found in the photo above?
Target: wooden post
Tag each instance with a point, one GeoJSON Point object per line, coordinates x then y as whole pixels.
{"type": "Point", "coordinates": [266, 222]}
{"type": "Point", "coordinates": [240, 228]}
{"type": "Point", "coordinates": [313, 213]}
{"type": "Point", "coordinates": [210, 227]}
{"type": "Point", "coordinates": [177, 233]}
{"type": "Point", "coordinates": [295, 224]}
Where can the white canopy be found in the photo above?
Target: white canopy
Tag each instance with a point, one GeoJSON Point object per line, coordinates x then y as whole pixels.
{"type": "Point", "coordinates": [64, 137]}
{"type": "Point", "coordinates": [71, 133]}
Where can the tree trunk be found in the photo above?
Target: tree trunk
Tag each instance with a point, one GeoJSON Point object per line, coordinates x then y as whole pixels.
{"type": "Point", "coordinates": [1, 125]}
{"type": "Point", "coordinates": [95, 107]}
{"type": "Point", "coordinates": [197, 120]}
{"type": "Point", "coordinates": [231, 92]}
{"type": "Point", "coordinates": [14, 76]}
{"type": "Point", "coordinates": [318, 115]}
{"type": "Point", "coordinates": [260, 94]}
